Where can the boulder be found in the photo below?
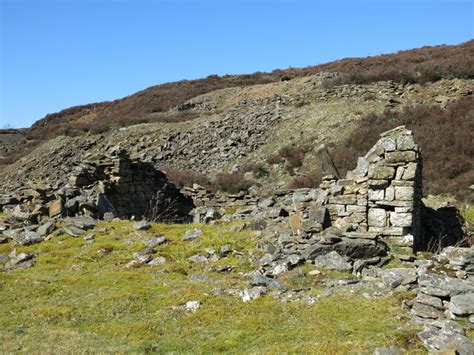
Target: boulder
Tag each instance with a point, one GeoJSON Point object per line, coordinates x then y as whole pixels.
{"type": "Point", "coordinates": [74, 231]}
{"type": "Point", "coordinates": [462, 305]}
{"type": "Point", "coordinates": [353, 248]}
{"type": "Point", "coordinates": [19, 261]}
{"type": "Point", "coordinates": [141, 225]}
{"type": "Point", "coordinates": [192, 234]}
{"type": "Point", "coordinates": [444, 286]}
{"type": "Point", "coordinates": [398, 277]}
{"type": "Point", "coordinates": [22, 212]}
{"type": "Point", "coordinates": [83, 222]}
{"type": "Point", "coordinates": [56, 208]}
{"type": "Point", "coordinates": [250, 294]}
{"type": "Point", "coordinates": [28, 238]}
{"type": "Point", "coordinates": [192, 306]}
{"type": "Point", "coordinates": [439, 341]}
{"type": "Point", "coordinates": [46, 229]}
{"type": "Point", "coordinates": [153, 242]}
{"type": "Point", "coordinates": [333, 261]}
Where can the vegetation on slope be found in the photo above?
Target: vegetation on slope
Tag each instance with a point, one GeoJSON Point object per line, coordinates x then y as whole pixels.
{"type": "Point", "coordinates": [445, 137]}
{"type": "Point", "coordinates": [79, 298]}
{"type": "Point", "coordinates": [152, 104]}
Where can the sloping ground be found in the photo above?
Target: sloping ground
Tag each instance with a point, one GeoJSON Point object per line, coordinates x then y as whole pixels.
{"type": "Point", "coordinates": [155, 104]}
{"type": "Point", "coordinates": [81, 297]}
{"type": "Point", "coordinates": [237, 125]}
{"type": "Point", "coordinates": [417, 65]}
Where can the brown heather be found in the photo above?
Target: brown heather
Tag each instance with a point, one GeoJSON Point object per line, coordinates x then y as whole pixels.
{"type": "Point", "coordinates": [445, 137]}
{"type": "Point", "coordinates": [231, 182]}
{"type": "Point", "coordinates": [183, 177]}
{"type": "Point", "coordinates": [152, 104]}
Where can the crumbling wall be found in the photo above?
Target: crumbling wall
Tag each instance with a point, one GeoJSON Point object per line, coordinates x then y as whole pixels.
{"type": "Point", "coordinates": [383, 193]}
{"type": "Point", "coordinates": [127, 188]}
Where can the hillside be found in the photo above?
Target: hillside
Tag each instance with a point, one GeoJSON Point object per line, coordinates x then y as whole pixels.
{"type": "Point", "coordinates": [164, 103]}
{"type": "Point", "coordinates": [422, 65]}
{"type": "Point", "coordinates": [323, 209]}
{"type": "Point", "coordinates": [236, 126]}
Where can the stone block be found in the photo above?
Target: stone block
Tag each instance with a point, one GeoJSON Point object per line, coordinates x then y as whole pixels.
{"type": "Point", "coordinates": [400, 219]}
{"type": "Point", "coordinates": [405, 240]}
{"type": "Point", "coordinates": [351, 190]}
{"type": "Point", "coordinates": [376, 230]}
{"type": "Point", "coordinates": [356, 218]}
{"type": "Point", "coordinates": [310, 227]}
{"type": "Point", "coordinates": [405, 142]}
{"type": "Point", "coordinates": [403, 183]}
{"type": "Point", "coordinates": [345, 182]}
{"type": "Point", "coordinates": [399, 173]}
{"type": "Point", "coordinates": [361, 235]}
{"type": "Point", "coordinates": [381, 172]}
{"type": "Point", "coordinates": [377, 217]}
{"type": "Point", "coordinates": [343, 199]}
{"type": "Point", "coordinates": [362, 167]}
{"type": "Point", "coordinates": [56, 208]}
{"type": "Point", "coordinates": [404, 209]}
{"type": "Point", "coordinates": [336, 190]}
{"type": "Point", "coordinates": [356, 209]}
{"type": "Point", "coordinates": [319, 214]}
{"type": "Point", "coordinates": [400, 157]}
{"type": "Point", "coordinates": [375, 195]}
{"type": "Point", "coordinates": [362, 200]}
{"type": "Point", "coordinates": [375, 153]}
{"type": "Point", "coordinates": [409, 172]}
{"type": "Point", "coordinates": [336, 210]}
{"type": "Point", "coordinates": [395, 231]}
{"type": "Point", "coordinates": [390, 193]}
{"type": "Point", "coordinates": [388, 143]}
{"type": "Point", "coordinates": [404, 193]}
{"type": "Point", "coordinates": [378, 184]}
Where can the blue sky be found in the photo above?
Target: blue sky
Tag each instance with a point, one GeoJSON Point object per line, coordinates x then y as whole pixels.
{"type": "Point", "coordinates": [60, 53]}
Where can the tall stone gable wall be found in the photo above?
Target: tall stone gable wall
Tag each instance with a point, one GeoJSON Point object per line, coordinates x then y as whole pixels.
{"type": "Point", "coordinates": [383, 193]}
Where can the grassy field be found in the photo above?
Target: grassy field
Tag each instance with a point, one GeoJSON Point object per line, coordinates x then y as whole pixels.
{"type": "Point", "coordinates": [81, 298]}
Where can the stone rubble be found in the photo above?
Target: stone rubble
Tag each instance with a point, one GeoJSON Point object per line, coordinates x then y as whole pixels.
{"type": "Point", "coordinates": [114, 187]}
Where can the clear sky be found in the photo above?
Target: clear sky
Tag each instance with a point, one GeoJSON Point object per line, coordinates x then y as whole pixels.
{"type": "Point", "coordinates": [60, 53]}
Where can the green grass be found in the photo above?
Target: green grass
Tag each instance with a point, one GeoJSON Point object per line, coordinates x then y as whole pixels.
{"type": "Point", "coordinates": [78, 300]}
{"type": "Point", "coordinates": [468, 214]}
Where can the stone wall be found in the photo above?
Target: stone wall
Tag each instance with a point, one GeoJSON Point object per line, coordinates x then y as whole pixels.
{"type": "Point", "coordinates": [129, 188]}
{"type": "Point", "coordinates": [382, 196]}
{"type": "Point", "coordinates": [383, 193]}
{"type": "Point", "coordinates": [202, 197]}
{"type": "Point", "coordinates": [104, 188]}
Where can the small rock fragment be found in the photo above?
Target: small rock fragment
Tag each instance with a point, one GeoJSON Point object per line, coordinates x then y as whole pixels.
{"type": "Point", "coordinates": [192, 234]}
{"type": "Point", "coordinates": [192, 306]}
